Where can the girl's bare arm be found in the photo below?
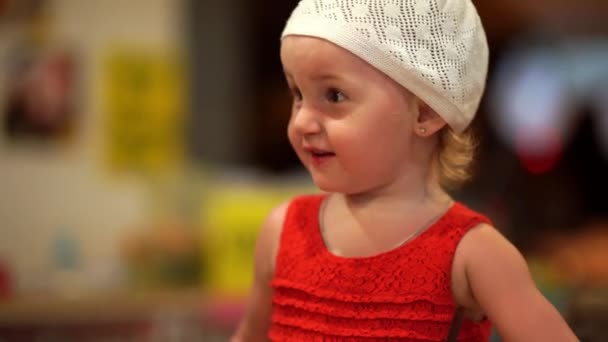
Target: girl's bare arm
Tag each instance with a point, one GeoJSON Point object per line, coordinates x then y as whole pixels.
{"type": "Point", "coordinates": [502, 286]}
{"type": "Point", "coordinates": [254, 326]}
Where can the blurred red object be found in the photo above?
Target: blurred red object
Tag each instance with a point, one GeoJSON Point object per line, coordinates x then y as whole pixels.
{"type": "Point", "coordinates": [539, 156]}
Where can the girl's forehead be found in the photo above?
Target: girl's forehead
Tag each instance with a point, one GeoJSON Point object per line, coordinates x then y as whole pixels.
{"type": "Point", "coordinates": [303, 52]}
{"type": "Point", "coordinates": [318, 59]}
{"type": "Point", "coordinates": [310, 48]}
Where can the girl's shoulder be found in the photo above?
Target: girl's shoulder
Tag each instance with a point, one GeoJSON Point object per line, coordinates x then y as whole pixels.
{"type": "Point", "coordinates": [501, 285]}
{"type": "Point", "coordinates": [269, 236]}
{"type": "Point", "coordinates": [483, 239]}
{"type": "Point", "coordinates": [466, 250]}
{"type": "Point", "coordinates": [482, 257]}
{"type": "Point", "coordinates": [267, 244]}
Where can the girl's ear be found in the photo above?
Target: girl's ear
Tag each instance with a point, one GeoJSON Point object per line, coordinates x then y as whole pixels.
{"type": "Point", "coordinates": [428, 122]}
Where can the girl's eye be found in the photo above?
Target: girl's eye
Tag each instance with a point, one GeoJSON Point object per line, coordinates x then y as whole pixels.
{"type": "Point", "coordinates": [334, 95]}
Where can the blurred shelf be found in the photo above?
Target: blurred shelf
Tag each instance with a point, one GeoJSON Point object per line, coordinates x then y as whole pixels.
{"type": "Point", "coordinates": [588, 314]}
{"type": "Point", "coordinates": [119, 306]}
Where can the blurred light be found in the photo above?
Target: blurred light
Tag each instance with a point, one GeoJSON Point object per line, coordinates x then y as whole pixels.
{"type": "Point", "coordinates": [532, 107]}
{"type": "Point", "coordinates": [538, 92]}
{"type": "Point", "coordinates": [539, 160]}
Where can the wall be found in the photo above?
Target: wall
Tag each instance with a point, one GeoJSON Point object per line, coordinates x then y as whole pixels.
{"type": "Point", "coordinates": [45, 190]}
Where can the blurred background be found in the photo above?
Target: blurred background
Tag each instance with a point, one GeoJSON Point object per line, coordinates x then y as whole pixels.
{"type": "Point", "coordinates": [142, 143]}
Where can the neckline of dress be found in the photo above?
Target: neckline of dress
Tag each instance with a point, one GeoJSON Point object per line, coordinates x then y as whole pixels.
{"type": "Point", "coordinates": [424, 230]}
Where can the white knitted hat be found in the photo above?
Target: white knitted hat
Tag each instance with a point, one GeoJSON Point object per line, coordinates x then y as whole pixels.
{"type": "Point", "coordinates": [436, 49]}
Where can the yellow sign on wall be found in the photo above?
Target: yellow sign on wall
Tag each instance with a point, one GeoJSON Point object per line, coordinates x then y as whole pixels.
{"type": "Point", "coordinates": [233, 217]}
{"type": "Point", "coordinates": [145, 102]}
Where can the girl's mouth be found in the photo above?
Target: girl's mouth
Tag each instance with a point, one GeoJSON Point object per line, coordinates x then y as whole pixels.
{"type": "Point", "coordinates": [321, 157]}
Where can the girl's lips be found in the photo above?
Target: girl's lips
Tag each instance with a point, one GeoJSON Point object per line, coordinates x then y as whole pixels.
{"type": "Point", "coordinates": [318, 156]}
{"type": "Point", "coordinates": [321, 157]}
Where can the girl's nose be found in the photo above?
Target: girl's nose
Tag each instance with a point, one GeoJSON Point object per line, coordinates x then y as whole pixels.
{"type": "Point", "coordinates": [305, 121]}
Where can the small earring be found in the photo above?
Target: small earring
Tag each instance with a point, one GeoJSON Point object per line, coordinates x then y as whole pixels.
{"type": "Point", "coordinates": [422, 130]}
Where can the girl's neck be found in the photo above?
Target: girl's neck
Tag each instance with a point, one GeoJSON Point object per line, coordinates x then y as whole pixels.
{"type": "Point", "coordinates": [398, 203]}
{"type": "Point", "coordinates": [356, 225]}
{"type": "Point", "coordinates": [414, 188]}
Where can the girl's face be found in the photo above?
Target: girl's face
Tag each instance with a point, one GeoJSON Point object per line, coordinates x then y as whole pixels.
{"type": "Point", "coordinates": [351, 125]}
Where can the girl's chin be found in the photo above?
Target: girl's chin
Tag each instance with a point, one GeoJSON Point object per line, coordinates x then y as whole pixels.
{"type": "Point", "coordinates": [322, 182]}
{"type": "Point", "coordinates": [338, 185]}
{"type": "Point", "coordinates": [327, 184]}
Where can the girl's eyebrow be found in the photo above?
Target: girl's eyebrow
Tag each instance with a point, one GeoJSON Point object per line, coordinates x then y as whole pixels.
{"type": "Point", "coordinates": [318, 77]}
{"type": "Point", "coordinates": [326, 77]}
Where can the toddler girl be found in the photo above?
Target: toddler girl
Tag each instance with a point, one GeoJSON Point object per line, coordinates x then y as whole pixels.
{"type": "Point", "coordinates": [383, 94]}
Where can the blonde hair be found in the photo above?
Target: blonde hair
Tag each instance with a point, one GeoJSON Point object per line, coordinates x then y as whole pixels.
{"type": "Point", "coordinates": [454, 157]}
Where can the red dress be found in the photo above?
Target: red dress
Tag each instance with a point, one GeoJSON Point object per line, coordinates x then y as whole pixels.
{"type": "Point", "coordinates": [400, 295]}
